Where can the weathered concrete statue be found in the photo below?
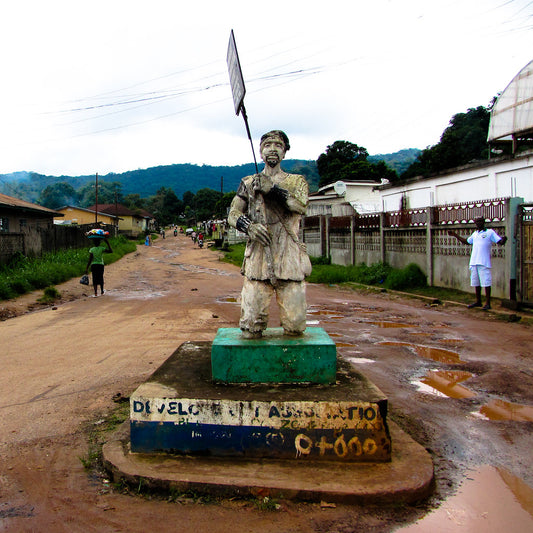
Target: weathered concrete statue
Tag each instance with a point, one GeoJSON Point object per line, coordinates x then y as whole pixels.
{"type": "Point", "coordinates": [268, 207]}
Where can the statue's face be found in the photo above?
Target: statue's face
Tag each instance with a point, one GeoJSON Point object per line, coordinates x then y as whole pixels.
{"type": "Point", "coordinates": [272, 151]}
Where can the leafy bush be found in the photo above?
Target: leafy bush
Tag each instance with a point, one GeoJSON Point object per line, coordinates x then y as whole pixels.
{"type": "Point", "coordinates": [409, 277]}
{"type": "Point", "coordinates": [51, 294]}
{"type": "Point", "coordinates": [323, 260]}
{"type": "Point", "coordinates": [367, 275]}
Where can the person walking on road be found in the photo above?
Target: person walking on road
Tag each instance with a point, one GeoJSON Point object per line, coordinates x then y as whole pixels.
{"type": "Point", "coordinates": [96, 264]}
{"type": "Point", "coordinates": [480, 259]}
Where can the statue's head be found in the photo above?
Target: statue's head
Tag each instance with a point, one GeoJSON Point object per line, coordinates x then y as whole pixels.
{"type": "Point", "coordinates": [274, 145]}
{"type": "Point", "coordinates": [278, 134]}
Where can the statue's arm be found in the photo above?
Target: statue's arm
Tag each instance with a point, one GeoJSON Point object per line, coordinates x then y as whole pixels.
{"type": "Point", "coordinates": [292, 194]}
{"type": "Point", "coordinates": [238, 219]}
{"type": "Point", "coordinates": [237, 209]}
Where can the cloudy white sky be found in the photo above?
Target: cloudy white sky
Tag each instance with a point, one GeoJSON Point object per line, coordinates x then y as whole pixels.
{"type": "Point", "coordinates": [115, 85]}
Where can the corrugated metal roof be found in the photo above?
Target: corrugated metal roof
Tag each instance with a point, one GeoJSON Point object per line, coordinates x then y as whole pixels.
{"type": "Point", "coordinates": [512, 113]}
{"type": "Point", "coordinates": [119, 209]}
{"type": "Point", "coordinates": [13, 203]}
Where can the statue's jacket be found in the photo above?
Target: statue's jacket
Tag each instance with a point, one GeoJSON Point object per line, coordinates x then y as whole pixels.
{"type": "Point", "coordinates": [287, 258]}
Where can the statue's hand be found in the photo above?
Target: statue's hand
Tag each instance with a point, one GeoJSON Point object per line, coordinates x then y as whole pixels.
{"type": "Point", "coordinates": [259, 232]}
{"type": "Point", "coordinates": [262, 184]}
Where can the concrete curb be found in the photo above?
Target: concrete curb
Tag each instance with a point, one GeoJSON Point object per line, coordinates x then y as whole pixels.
{"type": "Point", "coordinates": [407, 478]}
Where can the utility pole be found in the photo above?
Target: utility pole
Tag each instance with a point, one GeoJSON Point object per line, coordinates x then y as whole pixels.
{"type": "Point", "coordinates": [96, 200]}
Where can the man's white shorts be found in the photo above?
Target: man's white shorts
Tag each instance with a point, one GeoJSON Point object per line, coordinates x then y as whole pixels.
{"type": "Point", "coordinates": [480, 276]}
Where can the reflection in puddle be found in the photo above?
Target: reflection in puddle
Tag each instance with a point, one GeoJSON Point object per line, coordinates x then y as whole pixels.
{"type": "Point", "coordinates": [227, 299]}
{"type": "Point", "coordinates": [491, 500]}
{"type": "Point", "coordinates": [385, 324]}
{"type": "Point", "coordinates": [141, 294]}
{"type": "Point", "coordinates": [502, 410]}
{"type": "Point", "coordinates": [446, 383]}
{"type": "Point", "coordinates": [344, 345]}
{"type": "Point", "coordinates": [312, 322]}
{"type": "Point", "coordinates": [360, 360]}
{"type": "Point", "coordinates": [429, 352]}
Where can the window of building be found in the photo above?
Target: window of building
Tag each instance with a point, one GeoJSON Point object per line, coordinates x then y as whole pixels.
{"type": "Point", "coordinates": [4, 224]}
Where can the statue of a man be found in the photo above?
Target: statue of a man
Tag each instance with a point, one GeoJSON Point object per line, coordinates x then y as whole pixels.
{"type": "Point", "coordinates": [268, 207]}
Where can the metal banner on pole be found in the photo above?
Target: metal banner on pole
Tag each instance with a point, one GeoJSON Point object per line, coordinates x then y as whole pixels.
{"type": "Point", "coordinates": [237, 87]}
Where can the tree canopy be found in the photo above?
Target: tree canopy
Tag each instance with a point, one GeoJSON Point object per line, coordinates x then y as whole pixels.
{"type": "Point", "coordinates": [464, 140]}
{"type": "Point", "coordinates": [344, 160]}
{"type": "Point", "coordinates": [58, 195]}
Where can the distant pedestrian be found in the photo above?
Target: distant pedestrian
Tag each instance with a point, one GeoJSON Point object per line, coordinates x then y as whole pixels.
{"type": "Point", "coordinates": [480, 259]}
{"type": "Point", "coordinates": [96, 264]}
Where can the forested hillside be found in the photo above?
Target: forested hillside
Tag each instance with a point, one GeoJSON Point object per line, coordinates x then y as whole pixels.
{"type": "Point", "coordinates": [398, 161]}
{"type": "Point", "coordinates": [180, 178]}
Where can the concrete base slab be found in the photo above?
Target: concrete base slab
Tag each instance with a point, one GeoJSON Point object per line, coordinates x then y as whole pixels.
{"type": "Point", "coordinates": [406, 478]}
{"type": "Point", "coordinates": [181, 410]}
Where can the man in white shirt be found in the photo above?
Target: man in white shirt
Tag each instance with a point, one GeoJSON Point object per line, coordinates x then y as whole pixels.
{"type": "Point", "coordinates": [480, 259]}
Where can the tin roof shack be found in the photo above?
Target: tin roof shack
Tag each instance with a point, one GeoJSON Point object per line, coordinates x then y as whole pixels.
{"type": "Point", "coordinates": [81, 216]}
{"type": "Point", "coordinates": [131, 223]}
{"type": "Point", "coordinates": [23, 226]}
{"type": "Point", "coordinates": [15, 215]}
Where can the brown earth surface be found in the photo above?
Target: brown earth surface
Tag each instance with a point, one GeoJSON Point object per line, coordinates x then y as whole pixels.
{"type": "Point", "coordinates": [66, 368]}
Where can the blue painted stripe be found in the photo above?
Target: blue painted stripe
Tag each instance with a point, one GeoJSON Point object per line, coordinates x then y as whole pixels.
{"type": "Point", "coordinates": [249, 441]}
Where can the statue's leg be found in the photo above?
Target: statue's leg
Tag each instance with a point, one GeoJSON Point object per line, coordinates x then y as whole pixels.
{"type": "Point", "coordinates": [255, 302]}
{"type": "Point", "coordinates": [290, 296]}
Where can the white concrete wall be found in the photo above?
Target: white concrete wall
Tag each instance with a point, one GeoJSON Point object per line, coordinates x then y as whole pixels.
{"type": "Point", "coordinates": [496, 179]}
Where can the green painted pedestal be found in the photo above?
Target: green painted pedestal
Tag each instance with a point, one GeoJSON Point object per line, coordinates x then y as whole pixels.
{"type": "Point", "coordinates": [274, 358]}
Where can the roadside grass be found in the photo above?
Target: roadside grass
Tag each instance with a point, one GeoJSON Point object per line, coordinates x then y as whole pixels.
{"type": "Point", "coordinates": [233, 254]}
{"type": "Point", "coordinates": [98, 433]}
{"type": "Point", "coordinates": [50, 295]}
{"type": "Point", "coordinates": [26, 274]}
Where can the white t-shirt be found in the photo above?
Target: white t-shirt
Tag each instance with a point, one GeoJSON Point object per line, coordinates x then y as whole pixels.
{"type": "Point", "coordinates": [481, 242]}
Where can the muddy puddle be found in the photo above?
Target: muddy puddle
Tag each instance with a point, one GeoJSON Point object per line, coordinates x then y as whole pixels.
{"type": "Point", "coordinates": [388, 324]}
{"type": "Point", "coordinates": [439, 355]}
{"type": "Point", "coordinates": [445, 383]}
{"type": "Point", "coordinates": [141, 294]}
{"type": "Point", "coordinates": [227, 300]}
{"type": "Point", "coordinates": [502, 410]}
{"type": "Point", "coordinates": [360, 360]}
{"type": "Point", "coordinates": [490, 500]}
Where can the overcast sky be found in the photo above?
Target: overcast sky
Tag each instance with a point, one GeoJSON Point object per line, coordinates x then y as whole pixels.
{"type": "Point", "coordinates": [115, 85]}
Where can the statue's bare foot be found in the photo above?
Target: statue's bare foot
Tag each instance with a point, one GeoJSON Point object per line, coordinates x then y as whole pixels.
{"type": "Point", "coordinates": [247, 334]}
{"type": "Point", "coordinates": [293, 333]}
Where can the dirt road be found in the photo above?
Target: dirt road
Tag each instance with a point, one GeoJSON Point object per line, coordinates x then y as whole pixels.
{"type": "Point", "coordinates": [63, 365]}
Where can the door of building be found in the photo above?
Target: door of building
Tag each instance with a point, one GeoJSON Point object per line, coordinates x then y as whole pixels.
{"type": "Point", "coordinates": [525, 253]}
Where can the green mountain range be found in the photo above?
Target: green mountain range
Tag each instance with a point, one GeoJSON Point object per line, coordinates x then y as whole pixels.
{"type": "Point", "coordinates": [179, 177]}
